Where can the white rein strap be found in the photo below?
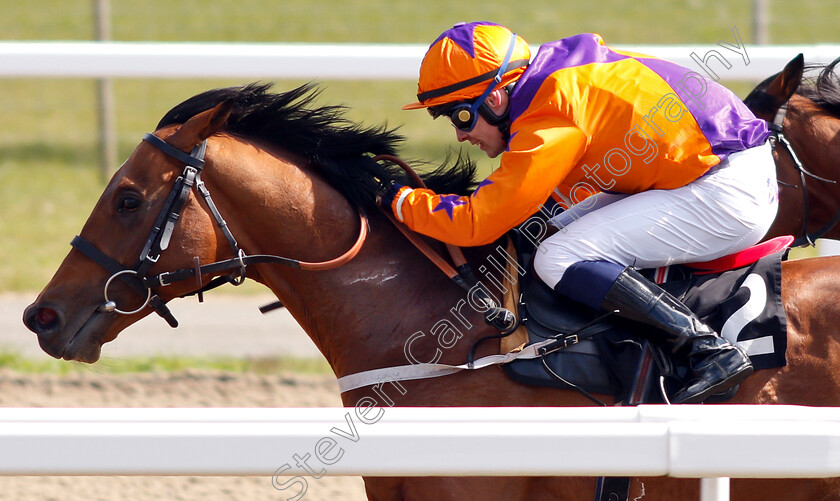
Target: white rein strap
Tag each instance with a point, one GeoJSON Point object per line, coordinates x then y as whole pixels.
{"type": "Point", "coordinates": [424, 371]}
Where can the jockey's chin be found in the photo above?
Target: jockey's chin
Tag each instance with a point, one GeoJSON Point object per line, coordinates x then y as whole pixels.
{"type": "Point", "coordinates": [487, 137]}
{"type": "Point", "coordinates": [492, 151]}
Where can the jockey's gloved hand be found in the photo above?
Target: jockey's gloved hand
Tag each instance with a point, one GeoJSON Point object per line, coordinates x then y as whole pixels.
{"type": "Point", "coordinates": [386, 193]}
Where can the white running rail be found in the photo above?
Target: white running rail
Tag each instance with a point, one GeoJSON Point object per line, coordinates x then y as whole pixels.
{"type": "Point", "coordinates": [327, 61]}
{"type": "Point", "coordinates": [695, 441]}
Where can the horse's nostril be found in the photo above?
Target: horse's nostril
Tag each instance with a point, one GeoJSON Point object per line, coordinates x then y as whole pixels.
{"type": "Point", "coordinates": [46, 316]}
{"type": "Point", "coordinates": [41, 320]}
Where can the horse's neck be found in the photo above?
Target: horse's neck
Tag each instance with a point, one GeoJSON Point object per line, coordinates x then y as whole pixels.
{"type": "Point", "coordinates": [810, 125]}
{"type": "Point", "coordinates": [362, 314]}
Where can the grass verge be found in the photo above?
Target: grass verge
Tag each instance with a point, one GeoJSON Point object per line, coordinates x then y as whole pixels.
{"type": "Point", "coordinates": [18, 363]}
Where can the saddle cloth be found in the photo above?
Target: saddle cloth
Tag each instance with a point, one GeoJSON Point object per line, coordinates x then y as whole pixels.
{"type": "Point", "coordinates": [743, 305]}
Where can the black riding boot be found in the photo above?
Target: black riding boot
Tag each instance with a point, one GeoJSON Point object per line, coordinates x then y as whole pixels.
{"type": "Point", "coordinates": [717, 365]}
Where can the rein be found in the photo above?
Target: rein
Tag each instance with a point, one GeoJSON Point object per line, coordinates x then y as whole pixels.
{"type": "Point", "coordinates": [158, 240]}
{"type": "Point", "coordinates": [778, 138]}
{"type": "Point", "coordinates": [500, 318]}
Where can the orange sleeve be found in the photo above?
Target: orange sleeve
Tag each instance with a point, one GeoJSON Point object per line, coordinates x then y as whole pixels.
{"type": "Point", "coordinates": [537, 160]}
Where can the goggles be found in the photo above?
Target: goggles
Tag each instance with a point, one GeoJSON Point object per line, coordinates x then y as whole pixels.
{"type": "Point", "coordinates": [464, 115]}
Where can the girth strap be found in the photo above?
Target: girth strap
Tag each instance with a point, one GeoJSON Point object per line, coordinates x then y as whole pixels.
{"type": "Point", "coordinates": [430, 370]}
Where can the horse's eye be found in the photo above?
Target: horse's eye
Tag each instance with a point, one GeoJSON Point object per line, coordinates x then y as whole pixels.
{"type": "Point", "coordinates": [129, 204]}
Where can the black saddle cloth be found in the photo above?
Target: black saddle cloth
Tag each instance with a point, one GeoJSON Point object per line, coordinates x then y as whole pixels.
{"type": "Point", "coordinates": [744, 303]}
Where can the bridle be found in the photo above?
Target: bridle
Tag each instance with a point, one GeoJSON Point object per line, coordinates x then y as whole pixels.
{"type": "Point", "coordinates": [138, 278]}
{"type": "Point", "coordinates": [778, 138]}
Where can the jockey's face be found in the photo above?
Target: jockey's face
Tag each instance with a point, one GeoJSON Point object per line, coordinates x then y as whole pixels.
{"type": "Point", "coordinates": [488, 137]}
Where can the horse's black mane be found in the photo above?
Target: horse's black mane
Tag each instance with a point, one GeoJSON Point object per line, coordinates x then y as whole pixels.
{"type": "Point", "coordinates": [340, 149]}
{"type": "Point", "coordinates": [824, 90]}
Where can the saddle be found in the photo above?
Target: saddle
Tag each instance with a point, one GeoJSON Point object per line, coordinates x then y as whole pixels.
{"type": "Point", "coordinates": [739, 296]}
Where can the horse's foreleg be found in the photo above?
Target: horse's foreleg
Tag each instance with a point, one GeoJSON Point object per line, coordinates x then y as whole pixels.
{"type": "Point", "coordinates": [384, 488]}
{"type": "Point", "coordinates": [483, 488]}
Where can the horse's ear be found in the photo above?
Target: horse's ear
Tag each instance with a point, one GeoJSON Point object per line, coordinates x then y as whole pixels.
{"type": "Point", "coordinates": [201, 126]}
{"type": "Point", "coordinates": [786, 82]}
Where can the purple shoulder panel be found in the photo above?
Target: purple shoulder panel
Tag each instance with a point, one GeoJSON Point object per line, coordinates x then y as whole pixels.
{"type": "Point", "coordinates": [573, 51]}
{"type": "Point", "coordinates": [726, 122]}
{"type": "Point", "coordinates": [724, 119]}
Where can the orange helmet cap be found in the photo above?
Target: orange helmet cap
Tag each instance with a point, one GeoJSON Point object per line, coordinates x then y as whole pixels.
{"type": "Point", "coordinates": [464, 59]}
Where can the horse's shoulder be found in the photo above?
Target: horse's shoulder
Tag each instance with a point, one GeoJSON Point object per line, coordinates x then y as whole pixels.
{"type": "Point", "coordinates": [808, 272]}
{"type": "Point", "coordinates": [811, 293]}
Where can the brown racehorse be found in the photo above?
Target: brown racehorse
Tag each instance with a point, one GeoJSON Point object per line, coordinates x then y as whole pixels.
{"type": "Point", "coordinates": [810, 121]}
{"type": "Point", "coordinates": [284, 175]}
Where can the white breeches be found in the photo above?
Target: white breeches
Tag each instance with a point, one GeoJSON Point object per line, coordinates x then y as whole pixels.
{"type": "Point", "coordinates": [727, 210]}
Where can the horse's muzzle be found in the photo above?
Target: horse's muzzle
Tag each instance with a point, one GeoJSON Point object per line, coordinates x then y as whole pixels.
{"type": "Point", "coordinates": [42, 320]}
{"type": "Point", "coordinates": [45, 321]}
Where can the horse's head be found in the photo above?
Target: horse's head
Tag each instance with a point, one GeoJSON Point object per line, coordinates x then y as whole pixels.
{"type": "Point", "coordinates": [291, 181]}
{"type": "Point", "coordinates": [119, 245]}
{"type": "Point", "coordinates": [775, 91]}
{"type": "Point", "coordinates": [804, 117]}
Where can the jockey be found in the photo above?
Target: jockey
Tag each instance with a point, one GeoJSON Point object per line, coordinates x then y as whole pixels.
{"type": "Point", "coordinates": [653, 164]}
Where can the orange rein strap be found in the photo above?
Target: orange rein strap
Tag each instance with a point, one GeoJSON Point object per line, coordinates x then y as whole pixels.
{"type": "Point", "coordinates": [500, 318]}
{"type": "Point", "coordinates": [454, 252]}
{"type": "Point", "coordinates": [344, 258]}
{"type": "Point", "coordinates": [243, 260]}
{"type": "Point", "coordinates": [423, 247]}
